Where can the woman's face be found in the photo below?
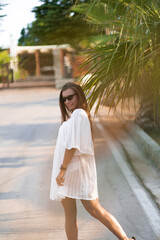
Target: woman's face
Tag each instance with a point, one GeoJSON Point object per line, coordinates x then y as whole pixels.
{"type": "Point", "coordinates": [70, 99]}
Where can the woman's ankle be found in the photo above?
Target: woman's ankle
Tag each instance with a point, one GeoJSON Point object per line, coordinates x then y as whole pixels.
{"type": "Point", "coordinates": [124, 238]}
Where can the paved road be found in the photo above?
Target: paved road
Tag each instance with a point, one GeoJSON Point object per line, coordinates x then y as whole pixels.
{"type": "Point", "coordinates": [29, 124]}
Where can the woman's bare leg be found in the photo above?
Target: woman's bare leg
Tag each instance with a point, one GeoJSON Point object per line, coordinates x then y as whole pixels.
{"type": "Point", "coordinates": [70, 210]}
{"type": "Point", "coordinates": [97, 211]}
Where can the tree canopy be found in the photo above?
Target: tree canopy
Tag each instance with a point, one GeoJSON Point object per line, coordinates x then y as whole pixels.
{"type": "Point", "coordinates": [56, 24]}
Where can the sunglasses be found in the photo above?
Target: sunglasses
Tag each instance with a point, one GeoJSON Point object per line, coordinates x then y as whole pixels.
{"type": "Point", "coordinates": [69, 98]}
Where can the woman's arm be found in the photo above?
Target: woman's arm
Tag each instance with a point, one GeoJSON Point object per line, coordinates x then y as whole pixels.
{"type": "Point", "coordinates": [67, 158]}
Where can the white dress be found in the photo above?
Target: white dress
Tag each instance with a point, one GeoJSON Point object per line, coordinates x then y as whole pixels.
{"type": "Point", "coordinates": [81, 176]}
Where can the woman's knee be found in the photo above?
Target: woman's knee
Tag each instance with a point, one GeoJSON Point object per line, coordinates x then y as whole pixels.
{"type": "Point", "coordinates": [94, 208]}
{"type": "Point", "coordinates": [69, 203]}
{"type": "Point", "coordinates": [69, 206]}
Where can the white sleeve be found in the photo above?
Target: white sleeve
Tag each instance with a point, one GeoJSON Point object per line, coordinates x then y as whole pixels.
{"type": "Point", "coordinates": [78, 134]}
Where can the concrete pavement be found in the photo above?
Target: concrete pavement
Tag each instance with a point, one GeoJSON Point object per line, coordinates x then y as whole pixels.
{"type": "Point", "coordinates": [28, 128]}
{"type": "Point", "coordinates": [142, 152]}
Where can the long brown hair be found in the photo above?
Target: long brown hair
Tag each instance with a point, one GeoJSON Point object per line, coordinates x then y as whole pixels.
{"type": "Point", "coordinates": [82, 101]}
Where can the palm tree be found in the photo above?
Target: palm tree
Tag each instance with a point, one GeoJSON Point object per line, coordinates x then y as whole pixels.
{"type": "Point", "coordinates": [127, 63]}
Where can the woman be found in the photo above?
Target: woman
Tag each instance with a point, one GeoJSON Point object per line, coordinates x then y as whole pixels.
{"type": "Point", "coordinates": [74, 170]}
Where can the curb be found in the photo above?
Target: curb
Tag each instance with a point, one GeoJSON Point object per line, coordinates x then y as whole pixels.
{"type": "Point", "coordinates": [150, 147]}
{"type": "Point", "coordinates": [136, 149]}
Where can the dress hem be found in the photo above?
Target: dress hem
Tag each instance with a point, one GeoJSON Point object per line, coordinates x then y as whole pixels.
{"type": "Point", "coordinates": [78, 198]}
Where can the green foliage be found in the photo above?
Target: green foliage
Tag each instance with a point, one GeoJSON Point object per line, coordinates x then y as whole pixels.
{"type": "Point", "coordinates": [127, 65]}
{"type": "Point", "coordinates": [56, 24]}
{"type": "Point", "coordinates": [4, 63]}
{"type": "Point", "coordinates": [4, 57]}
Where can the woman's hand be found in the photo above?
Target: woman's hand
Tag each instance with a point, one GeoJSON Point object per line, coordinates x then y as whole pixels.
{"type": "Point", "coordinates": [67, 158]}
{"type": "Point", "coordinates": [60, 178]}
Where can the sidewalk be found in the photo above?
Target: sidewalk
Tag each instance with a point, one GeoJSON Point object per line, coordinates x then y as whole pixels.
{"type": "Point", "coordinates": [28, 84]}
{"type": "Point", "coordinates": [142, 152]}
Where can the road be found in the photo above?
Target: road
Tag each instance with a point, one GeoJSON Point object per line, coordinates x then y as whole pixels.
{"type": "Point", "coordinates": [29, 124]}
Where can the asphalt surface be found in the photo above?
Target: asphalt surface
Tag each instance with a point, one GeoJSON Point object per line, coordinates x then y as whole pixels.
{"type": "Point", "coordinates": [29, 124]}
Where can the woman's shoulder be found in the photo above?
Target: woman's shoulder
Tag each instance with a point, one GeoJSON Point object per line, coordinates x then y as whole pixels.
{"type": "Point", "coordinates": [79, 112]}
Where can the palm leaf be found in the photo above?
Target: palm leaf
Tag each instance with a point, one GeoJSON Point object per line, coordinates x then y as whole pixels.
{"type": "Point", "coordinates": [131, 64]}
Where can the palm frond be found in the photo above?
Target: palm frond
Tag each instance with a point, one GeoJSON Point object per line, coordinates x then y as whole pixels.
{"type": "Point", "coordinates": [128, 64]}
